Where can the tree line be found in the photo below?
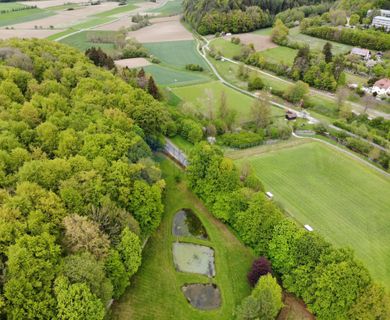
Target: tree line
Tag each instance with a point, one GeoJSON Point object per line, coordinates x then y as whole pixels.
{"type": "Point", "coordinates": [332, 283]}
{"type": "Point", "coordinates": [79, 192]}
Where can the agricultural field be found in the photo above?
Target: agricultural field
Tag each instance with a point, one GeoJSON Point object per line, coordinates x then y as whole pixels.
{"type": "Point", "coordinates": [82, 40]}
{"type": "Point", "coordinates": [116, 11]}
{"type": "Point", "coordinates": [172, 7]}
{"type": "Point", "coordinates": [198, 95]}
{"type": "Point", "coordinates": [316, 43]}
{"type": "Point", "coordinates": [345, 200]}
{"type": "Point", "coordinates": [15, 17]}
{"type": "Point", "coordinates": [176, 53]}
{"type": "Point", "coordinates": [167, 76]}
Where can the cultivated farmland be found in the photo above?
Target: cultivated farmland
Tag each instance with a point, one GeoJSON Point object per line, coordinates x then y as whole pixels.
{"type": "Point", "coordinates": [345, 200]}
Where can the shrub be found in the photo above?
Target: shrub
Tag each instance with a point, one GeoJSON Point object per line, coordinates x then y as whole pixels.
{"type": "Point", "coordinates": [255, 84]}
{"type": "Point", "coordinates": [260, 267]}
{"type": "Point", "coordinates": [194, 67]}
{"type": "Point", "coordinates": [241, 140]}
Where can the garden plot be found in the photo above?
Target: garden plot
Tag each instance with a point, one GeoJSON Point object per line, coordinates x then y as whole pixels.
{"type": "Point", "coordinates": [162, 30]}
{"type": "Point", "coordinates": [193, 258]}
{"type": "Point", "coordinates": [132, 63]}
{"type": "Point", "coordinates": [260, 42]}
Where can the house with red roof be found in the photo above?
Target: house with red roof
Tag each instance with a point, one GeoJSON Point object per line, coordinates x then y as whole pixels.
{"type": "Point", "coordinates": [381, 87]}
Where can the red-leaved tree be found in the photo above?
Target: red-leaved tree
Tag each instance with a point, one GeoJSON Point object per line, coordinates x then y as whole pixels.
{"type": "Point", "coordinates": [260, 267]}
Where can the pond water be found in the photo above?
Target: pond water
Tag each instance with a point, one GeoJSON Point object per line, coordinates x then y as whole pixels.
{"type": "Point", "coordinates": [193, 258]}
{"type": "Point", "coordinates": [187, 224]}
{"type": "Point", "coordinates": [203, 296]}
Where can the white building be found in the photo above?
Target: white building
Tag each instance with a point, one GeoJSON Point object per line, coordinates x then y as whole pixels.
{"type": "Point", "coordinates": [364, 53]}
{"type": "Point", "coordinates": [381, 22]}
{"type": "Point", "coordinates": [381, 87]}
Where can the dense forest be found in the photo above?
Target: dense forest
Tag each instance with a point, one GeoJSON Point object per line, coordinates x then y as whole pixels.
{"type": "Point", "coordinates": [79, 192]}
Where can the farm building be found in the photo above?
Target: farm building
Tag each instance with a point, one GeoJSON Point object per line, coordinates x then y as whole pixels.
{"type": "Point", "coordinates": [363, 53]}
{"type": "Point", "coordinates": [381, 87]}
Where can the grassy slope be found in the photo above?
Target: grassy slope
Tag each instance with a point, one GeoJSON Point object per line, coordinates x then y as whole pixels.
{"type": "Point", "coordinates": [264, 32]}
{"type": "Point", "coordinates": [176, 53]}
{"type": "Point", "coordinates": [115, 11]}
{"type": "Point", "coordinates": [155, 292]}
{"type": "Point", "coordinates": [348, 202]}
{"type": "Point", "coordinates": [318, 44]}
{"type": "Point", "coordinates": [15, 17]}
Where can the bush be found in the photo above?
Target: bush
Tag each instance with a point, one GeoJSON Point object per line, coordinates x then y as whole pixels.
{"type": "Point", "coordinates": [255, 84]}
{"type": "Point", "coordinates": [194, 67]}
{"type": "Point", "coordinates": [260, 267]}
{"type": "Point", "coordinates": [241, 140]}
{"type": "Point", "coordinates": [191, 130]}
{"type": "Point", "coordinates": [235, 40]}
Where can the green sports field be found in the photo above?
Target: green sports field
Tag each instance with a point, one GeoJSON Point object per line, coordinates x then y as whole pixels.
{"type": "Point", "coordinates": [176, 53]}
{"type": "Point", "coordinates": [345, 200]}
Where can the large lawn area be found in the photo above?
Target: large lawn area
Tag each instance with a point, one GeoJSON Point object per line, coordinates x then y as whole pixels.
{"type": "Point", "coordinates": [166, 76]}
{"type": "Point", "coordinates": [176, 53]}
{"type": "Point", "coordinates": [196, 94]}
{"type": "Point", "coordinates": [227, 48]}
{"type": "Point", "coordinates": [345, 200]}
{"type": "Point", "coordinates": [283, 55]}
{"type": "Point", "coordinates": [316, 43]}
{"type": "Point", "coordinates": [155, 292]}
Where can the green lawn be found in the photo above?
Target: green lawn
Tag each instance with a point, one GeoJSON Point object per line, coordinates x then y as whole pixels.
{"type": "Point", "coordinates": [316, 43]}
{"type": "Point", "coordinates": [155, 292]}
{"type": "Point", "coordinates": [280, 55]}
{"type": "Point", "coordinates": [115, 11]}
{"type": "Point", "coordinates": [172, 7]}
{"type": "Point", "coordinates": [176, 53]}
{"type": "Point", "coordinates": [196, 95]}
{"type": "Point", "coordinates": [345, 200]}
{"type": "Point", "coordinates": [264, 32]}
{"type": "Point", "coordinates": [81, 41]}
{"type": "Point", "coordinates": [167, 76]}
{"type": "Point", "coordinates": [15, 17]}
{"type": "Point", "coordinates": [9, 6]}
{"type": "Point", "coordinates": [227, 48]}
{"type": "Point", "coordinates": [182, 144]}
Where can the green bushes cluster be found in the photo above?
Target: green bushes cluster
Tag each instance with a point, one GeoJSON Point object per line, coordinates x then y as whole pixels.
{"type": "Point", "coordinates": [241, 140]}
{"type": "Point", "coordinates": [333, 284]}
{"type": "Point", "coordinates": [369, 39]}
{"type": "Point", "coordinates": [78, 189]}
{"type": "Point", "coordinates": [194, 67]}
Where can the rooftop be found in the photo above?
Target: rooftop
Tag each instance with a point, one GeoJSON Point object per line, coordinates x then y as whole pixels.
{"type": "Point", "coordinates": [383, 83]}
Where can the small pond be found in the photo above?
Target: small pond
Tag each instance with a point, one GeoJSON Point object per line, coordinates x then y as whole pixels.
{"type": "Point", "coordinates": [193, 258]}
{"type": "Point", "coordinates": [186, 224]}
{"type": "Point", "coordinates": [203, 296]}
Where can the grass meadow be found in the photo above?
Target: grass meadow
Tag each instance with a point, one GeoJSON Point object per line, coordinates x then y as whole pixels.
{"type": "Point", "coordinates": [172, 7]}
{"type": "Point", "coordinates": [283, 55]}
{"type": "Point", "coordinates": [345, 200]}
{"type": "Point", "coordinates": [81, 40]}
{"type": "Point", "coordinates": [166, 76]}
{"type": "Point", "coordinates": [228, 49]}
{"type": "Point", "coordinates": [15, 17]}
{"type": "Point", "coordinates": [176, 53]}
{"type": "Point", "coordinates": [155, 292]}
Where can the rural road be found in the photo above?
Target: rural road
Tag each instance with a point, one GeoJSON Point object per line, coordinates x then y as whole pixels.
{"type": "Point", "coordinates": [202, 50]}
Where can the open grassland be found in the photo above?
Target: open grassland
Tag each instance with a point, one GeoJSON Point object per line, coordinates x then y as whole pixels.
{"type": "Point", "coordinates": [227, 49]}
{"type": "Point", "coordinates": [345, 200]}
{"type": "Point", "coordinates": [14, 17]}
{"type": "Point", "coordinates": [176, 53]}
{"type": "Point", "coordinates": [82, 41]}
{"type": "Point", "coordinates": [316, 43]}
{"type": "Point", "coordinates": [116, 11]}
{"type": "Point", "coordinates": [283, 55]}
{"type": "Point", "coordinates": [155, 292]}
{"type": "Point", "coordinates": [198, 95]}
{"type": "Point", "coordinates": [10, 6]}
{"type": "Point", "coordinates": [167, 76]}
{"type": "Point", "coordinates": [172, 7]}
{"type": "Point", "coordinates": [263, 32]}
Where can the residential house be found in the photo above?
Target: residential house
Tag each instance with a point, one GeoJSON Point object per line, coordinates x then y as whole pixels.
{"type": "Point", "coordinates": [381, 87]}
{"type": "Point", "coordinates": [363, 53]}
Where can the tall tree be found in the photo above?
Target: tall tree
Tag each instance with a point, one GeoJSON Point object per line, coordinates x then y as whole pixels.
{"type": "Point", "coordinates": [261, 113]}
{"type": "Point", "coordinates": [327, 51]}
{"type": "Point", "coordinates": [153, 89]}
{"type": "Point", "coordinates": [260, 267]}
{"type": "Point", "coordinates": [129, 250]}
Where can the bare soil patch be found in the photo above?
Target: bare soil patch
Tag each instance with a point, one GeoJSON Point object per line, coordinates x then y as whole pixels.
{"type": "Point", "coordinates": [65, 19]}
{"type": "Point", "coordinates": [40, 34]}
{"type": "Point", "coordinates": [132, 63]}
{"type": "Point", "coordinates": [162, 30]}
{"type": "Point", "coordinates": [260, 42]}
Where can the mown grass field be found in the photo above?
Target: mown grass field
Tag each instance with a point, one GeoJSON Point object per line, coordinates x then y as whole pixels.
{"type": "Point", "coordinates": [228, 49]}
{"type": "Point", "coordinates": [116, 11]}
{"type": "Point", "coordinates": [166, 76]}
{"type": "Point", "coordinates": [345, 200]}
{"type": "Point", "coordinates": [176, 53]}
{"type": "Point", "coordinates": [318, 44]}
{"type": "Point", "coordinates": [264, 32]}
{"type": "Point", "coordinates": [82, 41]}
{"type": "Point", "coordinates": [155, 292]}
{"type": "Point", "coordinates": [196, 94]}
{"type": "Point", "coordinates": [283, 55]}
{"type": "Point", "coordinates": [15, 17]}
{"type": "Point", "coordinates": [172, 7]}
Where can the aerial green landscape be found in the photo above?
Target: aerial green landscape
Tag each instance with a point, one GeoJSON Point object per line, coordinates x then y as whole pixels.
{"type": "Point", "coordinates": [195, 159]}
